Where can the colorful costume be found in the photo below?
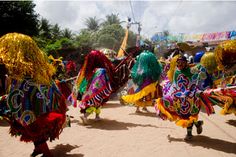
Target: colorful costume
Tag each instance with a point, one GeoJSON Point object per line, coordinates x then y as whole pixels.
{"type": "Point", "coordinates": [145, 75]}
{"type": "Point", "coordinates": [224, 95]}
{"type": "Point", "coordinates": [182, 101]}
{"type": "Point", "coordinates": [37, 108]}
{"type": "Point", "coordinates": [94, 83]}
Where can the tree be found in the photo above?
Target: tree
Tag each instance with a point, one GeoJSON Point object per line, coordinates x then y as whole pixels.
{"type": "Point", "coordinates": [107, 41]}
{"type": "Point", "coordinates": [67, 33]}
{"type": "Point", "coordinates": [85, 38]}
{"type": "Point", "coordinates": [111, 19]}
{"type": "Point", "coordinates": [18, 16]}
{"type": "Point", "coordinates": [92, 23]}
{"type": "Point", "coordinates": [56, 32]}
{"type": "Point", "coordinates": [45, 29]}
{"type": "Point", "coordinates": [111, 36]}
{"type": "Point", "coordinates": [131, 39]}
{"type": "Point", "coordinates": [63, 43]}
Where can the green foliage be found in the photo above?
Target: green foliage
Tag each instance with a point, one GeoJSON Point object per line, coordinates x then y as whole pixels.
{"type": "Point", "coordinates": [18, 16]}
{"type": "Point", "coordinates": [45, 29]}
{"type": "Point", "coordinates": [111, 19]}
{"type": "Point", "coordinates": [40, 42]}
{"type": "Point", "coordinates": [92, 23]}
{"type": "Point", "coordinates": [63, 43]}
{"type": "Point", "coordinates": [67, 33]}
{"type": "Point", "coordinates": [84, 38]}
{"type": "Point", "coordinates": [111, 36]}
{"type": "Point", "coordinates": [107, 41]}
{"type": "Point", "coordinates": [56, 32]}
{"type": "Point", "coordinates": [66, 43]}
{"type": "Point", "coordinates": [131, 39]}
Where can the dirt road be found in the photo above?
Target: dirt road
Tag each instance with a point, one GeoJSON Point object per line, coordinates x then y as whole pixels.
{"type": "Point", "coordinates": [123, 133]}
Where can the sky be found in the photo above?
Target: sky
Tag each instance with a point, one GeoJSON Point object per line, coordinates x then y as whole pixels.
{"type": "Point", "coordinates": [189, 17]}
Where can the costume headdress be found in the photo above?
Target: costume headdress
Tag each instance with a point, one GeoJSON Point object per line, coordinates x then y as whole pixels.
{"type": "Point", "coordinates": [56, 61]}
{"type": "Point", "coordinates": [23, 58]}
{"type": "Point", "coordinates": [95, 59]}
{"type": "Point", "coordinates": [146, 67]}
{"type": "Point", "coordinates": [209, 62]}
{"type": "Point", "coordinates": [225, 54]}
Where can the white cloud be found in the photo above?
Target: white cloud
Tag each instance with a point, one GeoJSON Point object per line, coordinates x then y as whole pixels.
{"type": "Point", "coordinates": [155, 16]}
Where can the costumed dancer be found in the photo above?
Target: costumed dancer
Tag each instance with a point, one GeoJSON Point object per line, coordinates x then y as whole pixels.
{"type": "Point", "coordinates": [145, 75]}
{"type": "Point", "coordinates": [37, 108]}
{"type": "Point", "coordinates": [225, 95]}
{"type": "Point", "coordinates": [182, 101]}
{"type": "Point", "coordinates": [94, 84]}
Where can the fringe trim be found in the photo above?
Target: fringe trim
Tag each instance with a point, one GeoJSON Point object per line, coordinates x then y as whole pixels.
{"type": "Point", "coordinates": [48, 126]}
{"type": "Point", "coordinates": [159, 107]}
{"type": "Point", "coordinates": [187, 122]}
{"type": "Point", "coordinates": [178, 121]}
{"type": "Point", "coordinates": [97, 99]}
{"type": "Point", "coordinates": [133, 98]}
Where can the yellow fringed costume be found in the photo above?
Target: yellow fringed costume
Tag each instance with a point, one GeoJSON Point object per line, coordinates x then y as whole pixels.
{"type": "Point", "coordinates": [36, 108]}
{"type": "Point", "coordinates": [145, 75]}
{"type": "Point", "coordinates": [29, 61]}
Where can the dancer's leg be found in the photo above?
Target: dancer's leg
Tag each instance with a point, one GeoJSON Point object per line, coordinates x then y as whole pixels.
{"type": "Point", "coordinates": [98, 111]}
{"type": "Point", "coordinates": [137, 110]}
{"type": "Point", "coordinates": [189, 133]}
{"type": "Point", "coordinates": [199, 124]}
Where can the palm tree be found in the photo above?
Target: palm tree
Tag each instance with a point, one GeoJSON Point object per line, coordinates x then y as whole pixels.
{"type": "Point", "coordinates": [45, 28]}
{"type": "Point", "coordinates": [111, 19]}
{"type": "Point", "coordinates": [56, 32]}
{"type": "Point", "coordinates": [66, 33]}
{"type": "Point", "coordinates": [92, 23]}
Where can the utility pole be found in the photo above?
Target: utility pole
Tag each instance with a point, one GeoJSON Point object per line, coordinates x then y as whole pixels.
{"type": "Point", "coordinates": [139, 30]}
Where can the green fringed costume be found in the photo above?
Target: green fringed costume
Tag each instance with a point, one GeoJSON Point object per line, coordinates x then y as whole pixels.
{"type": "Point", "coordinates": [145, 75]}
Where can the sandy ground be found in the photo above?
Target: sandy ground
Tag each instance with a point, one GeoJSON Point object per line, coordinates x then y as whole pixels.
{"type": "Point", "coordinates": [122, 133]}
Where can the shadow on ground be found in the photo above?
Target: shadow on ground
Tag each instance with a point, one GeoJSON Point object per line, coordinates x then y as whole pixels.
{"type": "Point", "coordinates": [61, 150]}
{"type": "Point", "coordinates": [231, 122]}
{"type": "Point", "coordinates": [209, 143]}
{"type": "Point", "coordinates": [4, 123]}
{"type": "Point", "coordinates": [147, 114]}
{"type": "Point", "coordinates": [112, 105]}
{"type": "Point", "coordinates": [106, 124]}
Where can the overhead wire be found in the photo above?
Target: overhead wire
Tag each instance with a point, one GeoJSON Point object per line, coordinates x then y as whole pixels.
{"type": "Point", "coordinates": [132, 12]}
